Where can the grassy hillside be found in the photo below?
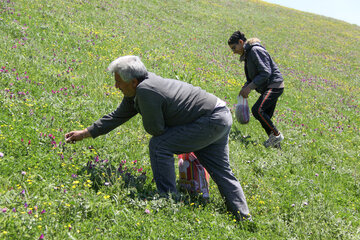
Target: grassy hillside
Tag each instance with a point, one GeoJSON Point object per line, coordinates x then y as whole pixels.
{"type": "Point", "coordinates": [52, 80]}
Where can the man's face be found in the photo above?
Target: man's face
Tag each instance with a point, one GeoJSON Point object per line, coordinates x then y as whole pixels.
{"type": "Point", "coordinates": [128, 89]}
{"type": "Point", "coordinates": [238, 48]}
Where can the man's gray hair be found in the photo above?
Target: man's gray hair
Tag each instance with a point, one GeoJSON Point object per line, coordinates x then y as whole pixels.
{"type": "Point", "coordinates": [128, 67]}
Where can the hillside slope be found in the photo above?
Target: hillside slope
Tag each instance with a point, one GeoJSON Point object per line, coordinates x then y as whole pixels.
{"type": "Point", "coordinates": [53, 79]}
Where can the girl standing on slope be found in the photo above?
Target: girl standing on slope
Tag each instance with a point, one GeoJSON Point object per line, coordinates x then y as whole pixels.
{"type": "Point", "coordinates": [263, 75]}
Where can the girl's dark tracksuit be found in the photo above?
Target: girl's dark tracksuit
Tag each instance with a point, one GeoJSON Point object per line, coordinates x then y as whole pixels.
{"type": "Point", "coordinates": [264, 76]}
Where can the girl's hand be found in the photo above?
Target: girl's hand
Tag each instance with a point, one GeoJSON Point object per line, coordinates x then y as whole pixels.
{"type": "Point", "coordinates": [245, 92]}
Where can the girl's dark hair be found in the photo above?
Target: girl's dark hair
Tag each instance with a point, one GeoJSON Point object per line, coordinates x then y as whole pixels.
{"type": "Point", "coordinates": [235, 37]}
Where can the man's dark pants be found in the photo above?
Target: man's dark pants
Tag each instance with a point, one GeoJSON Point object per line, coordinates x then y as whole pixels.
{"type": "Point", "coordinates": [208, 138]}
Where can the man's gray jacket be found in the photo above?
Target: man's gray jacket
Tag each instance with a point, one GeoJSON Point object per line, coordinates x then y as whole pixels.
{"type": "Point", "coordinates": [162, 103]}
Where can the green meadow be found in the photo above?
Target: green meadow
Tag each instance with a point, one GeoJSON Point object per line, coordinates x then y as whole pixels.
{"type": "Point", "coordinates": [53, 79]}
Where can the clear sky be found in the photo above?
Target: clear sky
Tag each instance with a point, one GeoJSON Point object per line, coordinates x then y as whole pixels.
{"type": "Point", "coordinates": [345, 10]}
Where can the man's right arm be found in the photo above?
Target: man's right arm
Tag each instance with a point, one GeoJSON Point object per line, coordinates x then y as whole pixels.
{"type": "Point", "coordinates": [122, 114]}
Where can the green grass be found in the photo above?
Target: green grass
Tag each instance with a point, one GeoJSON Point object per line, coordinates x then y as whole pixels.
{"type": "Point", "coordinates": [53, 59]}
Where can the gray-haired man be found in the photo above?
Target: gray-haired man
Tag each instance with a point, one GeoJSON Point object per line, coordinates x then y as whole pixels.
{"type": "Point", "coordinates": [181, 118]}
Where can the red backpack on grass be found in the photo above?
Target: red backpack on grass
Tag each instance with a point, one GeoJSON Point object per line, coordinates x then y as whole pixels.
{"type": "Point", "coordinates": [193, 177]}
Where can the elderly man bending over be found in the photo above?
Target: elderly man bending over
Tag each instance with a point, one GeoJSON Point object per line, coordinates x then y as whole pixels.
{"type": "Point", "coordinates": [181, 118]}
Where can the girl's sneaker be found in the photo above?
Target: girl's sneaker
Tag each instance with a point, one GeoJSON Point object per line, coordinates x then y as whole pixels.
{"type": "Point", "coordinates": [273, 140]}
